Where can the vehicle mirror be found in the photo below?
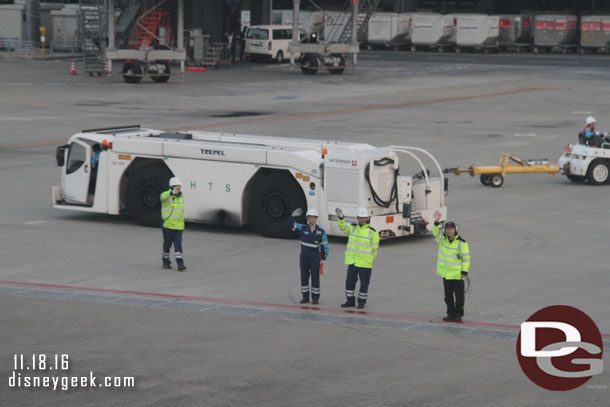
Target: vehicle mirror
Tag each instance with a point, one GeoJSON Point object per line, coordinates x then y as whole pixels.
{"type": "Point", "coordinates": [60, 154]}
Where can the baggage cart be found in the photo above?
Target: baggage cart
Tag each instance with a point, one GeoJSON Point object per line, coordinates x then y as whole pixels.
{"type": "Point", "coordinates": [389, 30]}
{"type": "Point", "coordinates": [477, 32]}
{"type": "Point", "coordinates": [555, 32]}
{"type": "Point", "coordinates": [433, 31]}
{"type": "Point", "coordinates": [515, 32]}
{"type": "Point", "coordinates": [594, 34]}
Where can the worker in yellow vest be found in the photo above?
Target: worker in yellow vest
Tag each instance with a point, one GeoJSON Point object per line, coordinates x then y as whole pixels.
{"type": "Point", "coordinates": [362, 248]}
{"type": "Point", "coordinates": [172, 213]}
{"type": "Point", "coordinates": [453, 264]}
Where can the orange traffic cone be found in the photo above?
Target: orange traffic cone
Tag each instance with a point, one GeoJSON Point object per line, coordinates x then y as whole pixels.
{"type": "Point", "coordinates": [106, 70]}
{"type": "Point", "coordinates": [73, 68]}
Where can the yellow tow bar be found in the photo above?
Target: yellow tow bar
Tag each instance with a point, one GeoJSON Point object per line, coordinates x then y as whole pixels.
{"type": "Point", "coordinates": [494, 174]}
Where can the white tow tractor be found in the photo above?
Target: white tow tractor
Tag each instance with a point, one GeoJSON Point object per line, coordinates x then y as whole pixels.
{"type": "Point", "coordinates": [242, 179]}
{"type": "Point", "coordinates": [582, 163]}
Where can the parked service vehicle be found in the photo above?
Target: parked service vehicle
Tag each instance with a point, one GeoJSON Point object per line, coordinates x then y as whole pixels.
{"type": "Point", "coordinates": [582, 163]}
{"type": "Point", "coordinates": [269, 42]}
{"type": "Point", "coordinates": [242, 179]}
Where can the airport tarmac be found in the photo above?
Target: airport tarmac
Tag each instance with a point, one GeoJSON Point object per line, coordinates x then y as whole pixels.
{"type": "Point", "coordinates": [230, 331]}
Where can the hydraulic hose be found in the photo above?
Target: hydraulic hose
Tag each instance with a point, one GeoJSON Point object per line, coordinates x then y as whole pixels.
{"type": "Point", "coordinates": [393, 193]}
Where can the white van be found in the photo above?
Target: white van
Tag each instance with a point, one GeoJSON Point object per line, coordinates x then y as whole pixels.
{"type": "Point", "coordinates": [269, 42]}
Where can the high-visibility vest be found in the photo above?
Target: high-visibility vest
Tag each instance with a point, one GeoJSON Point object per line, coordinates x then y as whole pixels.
{"type": "Point", "coordinates": [172, 210]}
{"type": "Point", "coordinates": [362, 244]}
{"type": "Point", "coordinates": [453, 257]}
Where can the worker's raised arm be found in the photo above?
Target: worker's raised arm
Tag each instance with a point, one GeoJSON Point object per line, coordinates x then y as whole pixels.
{"type": "Point", "coordinates": [292, 221]}
{"type": "Point", "coordinates": [436, 230]}
{"type": "Point", "coordinates": [165, 195]}
{"type": "Point", "coordinates": [341, 221]}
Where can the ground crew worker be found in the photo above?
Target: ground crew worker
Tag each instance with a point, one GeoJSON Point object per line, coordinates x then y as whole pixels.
{"type": "Point", "coordinates": [172, 213]}
{"type": "Point", "coordinates": [362, 248]}
{"type": "Point", "coordinates": [314, 249]}
{"type": "Point", "coordinates": [453, 263]}
{"type": "Point", "coordinates": [593, 138]}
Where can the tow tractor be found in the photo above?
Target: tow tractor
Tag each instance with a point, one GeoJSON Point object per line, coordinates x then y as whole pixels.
{"type": "Point", "coordinates": [582, 163]}
{"type": "Point", "coordinates": [242, 179]}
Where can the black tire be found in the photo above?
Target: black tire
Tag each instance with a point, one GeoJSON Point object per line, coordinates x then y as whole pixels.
{"type": "Point", "coordinates": [536, 50]}
{"type": "Point", "coordinates": [143, 190]}
{"type": "Point", "coordinates": [598, 172]}
{"type": "Point", "coordinates": [132, 72]}
{"type": "Point", "coordinates": [279, 58]}
{"type": "Point", "coordinates": [339, 71]}
{"type": "Point", "coordinates": [576, 178]}
{"type": "Point", "coordinates": [310, 65]}
{"type": "Point", "coordinates": [275, 197]}
{"type": "Point", "coordinates": [458, 50]}
{"type": "Point", "coordinates": [166, 73]}
{"type": "Point", "coordinates": [496, 180]}
{"type": "Point", "coordinates": [413, 48]}
{"type": "Point", "coordinates": [485, 179]}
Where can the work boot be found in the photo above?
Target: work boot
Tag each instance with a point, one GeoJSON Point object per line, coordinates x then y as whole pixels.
{"type": "Point", "coordinates": [167, 264]}
{"type": "Point", "coordinates": [348, 304]}
{"type": "Point", "coordinates": [181, 266]}
{"type": "Point", "coordinates": [449, 318]}
{"type": "Point", "coordinates": [304, 301]}
{"type": "Point", "coordinates": [314, 302]}
{"type": "Point", "coordinates": [457, 319]}
{"type": "Point", "coordinates": [360, 306]}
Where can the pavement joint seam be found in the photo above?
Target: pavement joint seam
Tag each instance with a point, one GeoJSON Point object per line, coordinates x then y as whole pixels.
{"type": "Point", "coordinates": [174, 303]}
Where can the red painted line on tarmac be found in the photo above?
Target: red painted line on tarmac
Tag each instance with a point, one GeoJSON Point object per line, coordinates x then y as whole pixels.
{"type": "Point", "coordinates": [255, 303]}
{"type": "Point", "coordinates": [359, 109]}
{"type": "Point", "coordinates": [316, 114]}
{"type": "Point", "coordinates": [42, 143]}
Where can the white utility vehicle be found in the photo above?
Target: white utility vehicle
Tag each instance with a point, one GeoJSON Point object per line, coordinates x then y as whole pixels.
{"type": "Point", "coordinates": [582, 163]}
{"type": "Point", "coordinates": [242, 179]}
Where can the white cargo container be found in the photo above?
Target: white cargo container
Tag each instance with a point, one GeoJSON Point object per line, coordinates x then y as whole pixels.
{"type": "Point", "coordinates": [515, 32]}
{"type": "Point", "coordinates": [477, 31]}
{"type": "Point", "coordinates": [243, 179]}
{"type": "Point", "coordinates": [308, 20]}
{"type": "Point", "coordinates": [12, 25]}
{"type": "Point", "coordinates": [433, 30]}
{"type": "Point", "coordinates": [65, 28]}
{"type": "Point", "coordinates": [555, 32]}
{"type": "Point", "coordinates": [594, 33]}
{"type": "Point", "coordinates": [389, 29]}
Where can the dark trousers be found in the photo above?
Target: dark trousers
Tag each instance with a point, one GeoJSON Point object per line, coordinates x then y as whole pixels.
{"type": "Point", "coordinates": [171, 236]}
{"type": "Point", "coordinates": [454, 306]}
{"type": "Point", "coordinates": [353, 273]}
{"type": "Point", "coordinates": [310, 266]}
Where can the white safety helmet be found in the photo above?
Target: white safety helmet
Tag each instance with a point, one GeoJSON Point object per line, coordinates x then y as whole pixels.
{"type": "Point", "coordinates": [590, 120]}
{"type": "Point", "coordinates": [362, 213]}
{"type": "Point", "coordinates": [311, 212]}
{"type": "Point", "coordinates": [174, 181]}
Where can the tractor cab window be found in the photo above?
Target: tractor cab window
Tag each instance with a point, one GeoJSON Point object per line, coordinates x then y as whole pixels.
{"type": "Point", "coordinates": [76, 158]}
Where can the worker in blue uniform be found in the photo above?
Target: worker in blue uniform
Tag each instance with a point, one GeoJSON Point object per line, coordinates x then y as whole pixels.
{"type": "Point", "coordinates": [314, 250]}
